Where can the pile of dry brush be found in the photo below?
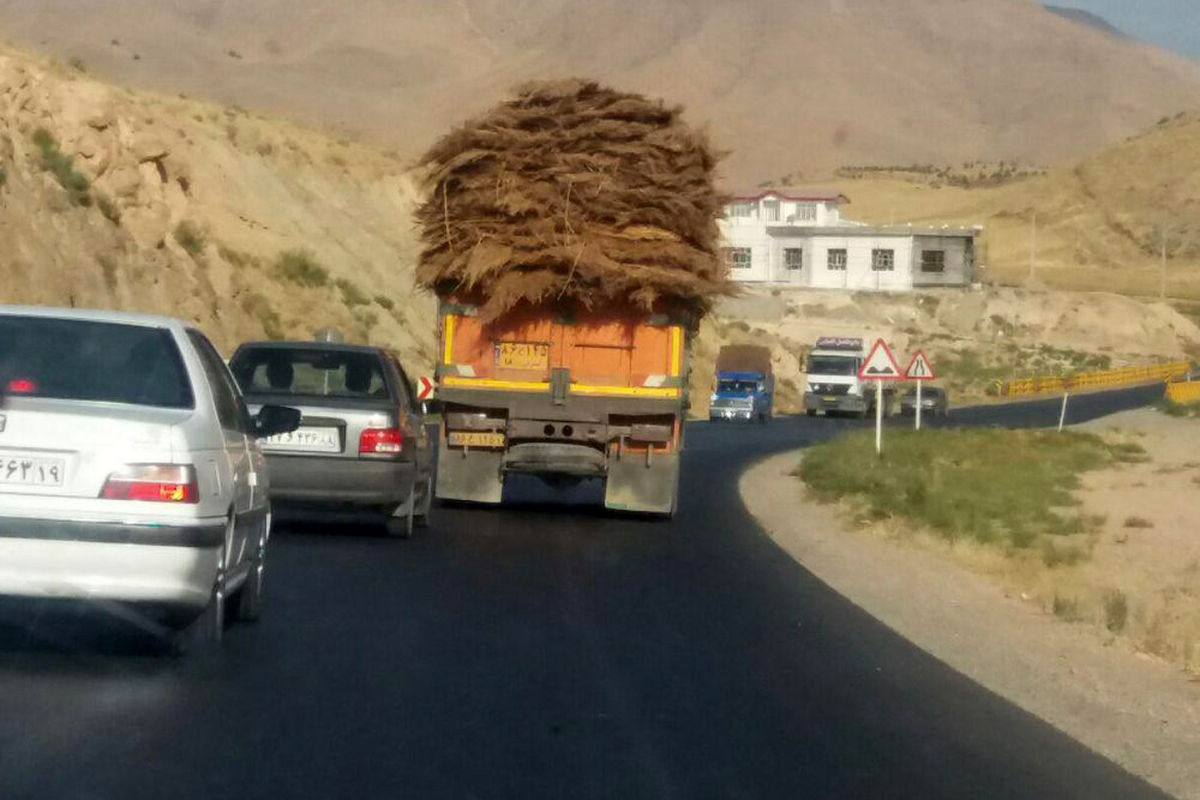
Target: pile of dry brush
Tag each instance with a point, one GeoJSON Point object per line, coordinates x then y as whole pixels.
{"type": "Point", "coordinates": [573, 194]}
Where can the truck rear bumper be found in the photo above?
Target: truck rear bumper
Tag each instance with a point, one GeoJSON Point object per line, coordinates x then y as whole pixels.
{"type": "Point", "coordinates": [834, 402]}
{"type": "Point", "coordinates": [557, 458]}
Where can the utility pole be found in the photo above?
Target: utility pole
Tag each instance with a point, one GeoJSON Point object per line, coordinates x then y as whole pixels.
{"type": "Point", "coordinates": [1032, 245]}
{"type": "Point", "coordinates": [1162, 291]}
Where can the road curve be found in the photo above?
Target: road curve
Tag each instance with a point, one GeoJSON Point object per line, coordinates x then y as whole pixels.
{"type": "Point", "coordinates": [536, 651]}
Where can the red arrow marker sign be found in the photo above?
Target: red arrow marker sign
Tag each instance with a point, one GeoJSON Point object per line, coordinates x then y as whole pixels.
{"type": "Point", "coordinates": [424, 388]}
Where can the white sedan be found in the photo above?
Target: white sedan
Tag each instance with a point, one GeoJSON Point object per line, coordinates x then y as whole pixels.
{"type": "Point", "coordinates": [129, 467]}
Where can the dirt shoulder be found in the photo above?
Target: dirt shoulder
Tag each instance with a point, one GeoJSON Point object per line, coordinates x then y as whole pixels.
{"type": "Point", "coordinates": [1133, 708]}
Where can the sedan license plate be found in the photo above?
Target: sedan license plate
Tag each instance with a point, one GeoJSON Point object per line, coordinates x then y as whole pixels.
{"type": "Point", "coordinates": [308, 440]}
{"type": "Point", "coordinates": [475, 439]}
{"type": "Point", "coordinates": [31, 471]}
{"type": "Point", "coordinates": [522, 355]}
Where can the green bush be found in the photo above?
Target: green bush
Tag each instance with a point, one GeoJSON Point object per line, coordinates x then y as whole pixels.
{"type": "Point", "coordinates": [190, 238]}
{"type": "Point", "coordinates": [386, 303]}
{"type": "Point", "coordinates": [299, 267]}
{"type": "Point", "coordinates": [351, 295]}
{"type": "Point", "coordinates": [259, 307]}
{"type": "Point", "coordinates": [62, 167]}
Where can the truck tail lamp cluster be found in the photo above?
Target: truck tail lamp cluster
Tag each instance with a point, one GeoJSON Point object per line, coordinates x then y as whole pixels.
{"type": "Point", "coordinates": [155, 483]}
{"type": "Point", "coordinates": [380, 441]}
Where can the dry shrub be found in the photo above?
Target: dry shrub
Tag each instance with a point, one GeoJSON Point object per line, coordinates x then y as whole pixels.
{"type": "Point", "coordinates": [575, 194]}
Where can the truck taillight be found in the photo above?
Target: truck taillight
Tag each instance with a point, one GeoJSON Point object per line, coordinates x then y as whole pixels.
{"type": "Point", "coordinates": [380, 441]}
{"type": "Point", "coordinates": [155, 483]}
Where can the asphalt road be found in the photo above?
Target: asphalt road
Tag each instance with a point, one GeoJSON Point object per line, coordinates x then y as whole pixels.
{"type": "Point", "coordinates": [535, 651]}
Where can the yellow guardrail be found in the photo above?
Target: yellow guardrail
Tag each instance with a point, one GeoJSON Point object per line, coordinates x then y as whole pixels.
{"type": "Point", "coordinates": [1185, 393]}
{"type": "Point", "coordinates": [1092, 380]}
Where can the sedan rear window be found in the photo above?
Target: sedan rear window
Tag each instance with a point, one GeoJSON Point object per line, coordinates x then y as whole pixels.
{"type": "Point", "coordinates": [107, 362]}
{"type": "Point", "coordinates": [309, 372]}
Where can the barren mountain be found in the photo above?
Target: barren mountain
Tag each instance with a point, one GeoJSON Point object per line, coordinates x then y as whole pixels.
{"type": "Point", "coordinates": [252, 228]}
{"type": "Point", "coordinates": [786, 85]}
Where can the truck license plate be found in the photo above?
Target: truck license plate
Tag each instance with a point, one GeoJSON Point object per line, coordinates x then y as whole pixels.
{"type": "Point", "coordinates": [522, 355]}
{"type": "Point", "coordinates": [475, 439]}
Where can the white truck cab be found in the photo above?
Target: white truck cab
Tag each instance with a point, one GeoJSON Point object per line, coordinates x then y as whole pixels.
{"type": "Point", "coordinates": [832, 383]}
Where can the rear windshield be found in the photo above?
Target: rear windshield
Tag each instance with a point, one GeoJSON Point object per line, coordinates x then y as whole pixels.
{"type": "Point", "coordinates": [739, 387]}
{"type": "Point", "coordinates": [309, 372]}
{"type": "Point", "coordinates": [105, 362]}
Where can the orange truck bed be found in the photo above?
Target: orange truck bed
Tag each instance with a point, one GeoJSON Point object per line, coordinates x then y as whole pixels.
{"type": "Point", "coordinates": [565, 397]}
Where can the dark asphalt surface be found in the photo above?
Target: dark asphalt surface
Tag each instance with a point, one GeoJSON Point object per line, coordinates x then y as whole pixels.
{"type": "Point", "coordinates": [539, 650]}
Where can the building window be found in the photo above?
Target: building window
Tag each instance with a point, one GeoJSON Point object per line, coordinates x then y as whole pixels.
{"type": "Point", "coordinates": [805, 212]}
{"type": "Point", "coordinates": [737, 257]}
{"type": "Point", "coordinates": [837, 260]}
{"type": "Point", "coordinates": [771, 210]}
{"type": "Point", "coordinates": [883, 260]}
{"type": "Point", "coordinates": [793, 258]}
{"type": "Point", "coordinates": [933, 261]}
{"type": "Point", "coordinates": [741, 210]}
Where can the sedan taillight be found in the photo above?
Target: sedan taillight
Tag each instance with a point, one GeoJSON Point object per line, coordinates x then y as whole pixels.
{"type": "Point", "coordinates": [380, 441]}
{"type": "Point", "coordinates": [155, 483]}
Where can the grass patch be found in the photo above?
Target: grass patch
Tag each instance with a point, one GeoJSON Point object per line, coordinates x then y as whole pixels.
{"type": "Point", "coordinates": [108, 267]}
{"type": "Point", "coordinates": [1128, 453]}
{"type": "Point", "coordinates": [62, 167]}
{"type": "Point", "coordinates": [1138, 522]}
{"type": "Point", "coordinates": [1066, 608]}
{"type": "Point", "coordinates": [299, 267]}
{"type": "Point", "coordinates": [351, 295]}
{"type": "Point", "coordinates": [190, 238]}
{"type": "Point", "coordinates": [1183, 410]}
{"type": "Point", "coordinates": [991, 485]}
{"type": "Point", "coordinates": [386, 303]}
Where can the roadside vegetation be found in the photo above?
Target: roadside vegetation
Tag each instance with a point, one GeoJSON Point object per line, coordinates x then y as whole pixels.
{"type": "Point", "coordinates": [1011, 488]}
{"type": "Point", "coordinates": [62, 167]}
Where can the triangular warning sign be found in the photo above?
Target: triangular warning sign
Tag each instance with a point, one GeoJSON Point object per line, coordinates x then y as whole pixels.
{"type": "Point", "coordinates": [919, 369]}
{"type": "Point", "coordinates": [879, 364]}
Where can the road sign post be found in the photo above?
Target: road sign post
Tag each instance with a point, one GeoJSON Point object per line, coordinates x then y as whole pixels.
{"type": "Point", "coordinates": [879, 366]}
{"type": "Point", "coordinates": [919, 370]}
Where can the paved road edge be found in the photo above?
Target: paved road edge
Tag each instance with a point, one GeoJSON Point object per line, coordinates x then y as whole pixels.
{"type": "Point", "coordinates": [1141, 714]}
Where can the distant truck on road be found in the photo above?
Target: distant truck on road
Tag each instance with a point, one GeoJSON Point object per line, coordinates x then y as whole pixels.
{"type": "Point", "coordinates": [563, 397]}
{"type": "Point", "coordinates": [832, 384]}
{"type": "Point", "coordinates": [745, 387]}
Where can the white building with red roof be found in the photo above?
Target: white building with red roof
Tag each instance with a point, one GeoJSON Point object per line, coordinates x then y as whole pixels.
{"type": "Point", "coordinates": [798, 237]}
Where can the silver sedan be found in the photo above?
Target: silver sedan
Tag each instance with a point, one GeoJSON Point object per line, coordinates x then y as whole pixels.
{"type": "Point", "coordinates": [130, 470]}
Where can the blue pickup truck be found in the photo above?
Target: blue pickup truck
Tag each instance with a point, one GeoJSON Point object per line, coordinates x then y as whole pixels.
{"type": "Point", "coordinates": [745, 385]}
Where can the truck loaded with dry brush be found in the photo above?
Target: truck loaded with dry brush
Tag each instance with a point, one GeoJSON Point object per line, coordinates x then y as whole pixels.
{"type": "Point", "coordinates": [570, 236]}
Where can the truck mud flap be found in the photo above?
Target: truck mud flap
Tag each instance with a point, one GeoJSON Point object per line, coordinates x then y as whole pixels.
{"type": "Point", "coordinates": [634, 485]}
{"type": "Point", "coordinates": [471, 476]}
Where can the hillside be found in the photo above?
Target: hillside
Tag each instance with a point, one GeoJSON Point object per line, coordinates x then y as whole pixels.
{"type": "Point", "coordinates": [249, 227]}
{"type": "Point", "coordinates": [786, 86]}
{"type": "Point", "coordinates": [1101, 222]}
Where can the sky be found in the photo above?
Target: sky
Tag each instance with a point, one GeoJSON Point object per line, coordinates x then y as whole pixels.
{"type": "Point", "coordinates": [1173, 24]}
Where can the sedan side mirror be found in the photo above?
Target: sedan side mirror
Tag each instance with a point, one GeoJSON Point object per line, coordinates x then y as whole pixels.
{"type": "Point", "coordinates": [272, 420]}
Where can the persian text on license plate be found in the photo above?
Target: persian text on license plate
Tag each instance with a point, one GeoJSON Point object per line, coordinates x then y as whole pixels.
{"type": "Point", "coordinates": [522, 355]}
{"type": "Point", "coordinates": [312, 440]}
{"type": "Point", "coordinates": [475, 439]}
{"type": "Point", "coordinates": [31, 471]}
